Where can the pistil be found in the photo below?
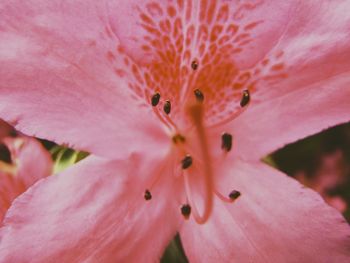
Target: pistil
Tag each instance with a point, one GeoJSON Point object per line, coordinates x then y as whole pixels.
{"type": "Point", "coordinates": [196, 113]}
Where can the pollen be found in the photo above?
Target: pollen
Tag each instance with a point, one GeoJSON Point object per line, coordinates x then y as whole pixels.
{"type": "Point", "coordinates": [199, 95]}
{"type": "Point", "coordinates": [155, 99]}
{"type": "Point", "coordinates": [226, 141]}
{"type": "Point", "coordinates": [186, 162]}
{"type": "Point", "coordinates": [194, 65]}
{"type": "Point", "coordinates": [148, 195]}
{"type": "Point", "coordinates": [167, 107]}
{"type": "Point", "coordinates": [234, 195]}
{"type": "Point", "coordinates": [245, 98]}
{"type": "Point", "coordinates": [186, 210]}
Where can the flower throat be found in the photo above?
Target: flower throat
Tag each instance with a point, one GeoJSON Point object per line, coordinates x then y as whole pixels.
{"type": "Point", "coordinates": [190, 159]}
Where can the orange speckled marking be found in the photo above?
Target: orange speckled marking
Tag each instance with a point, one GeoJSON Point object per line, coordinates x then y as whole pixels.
{"type": "Point", "coordinates": [210, 32]}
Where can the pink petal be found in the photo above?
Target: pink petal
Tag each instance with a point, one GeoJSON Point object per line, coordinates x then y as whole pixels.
{"type": "Point", "coordinates": [314, 47]}
{"type": "Point", "coordinates": [269, 47]}
{"type": "Point", "coordinates": [93, 212]}
{"type": "Point", "coordinates": [143, 27]}
{"type": "Point", "coordinates": [31, 163]}
{"type": "Point", "coordinates": [5, 129]}
{"type": "Point", "coordinates": [274, 220]}
{"type": "Point", "coordinates": [271, 125]}
{"type": "Point", "coordinates": [63, 78]}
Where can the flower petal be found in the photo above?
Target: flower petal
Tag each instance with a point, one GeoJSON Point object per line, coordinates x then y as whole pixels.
{"type": "Point", "coordinates": [93, 211]}
{"type": "Point", "coordinates": [274, 220]}
{"type": "Point", "coordinates": [5, 129]}
{"type": "Point", "coordinates": [64, 79]}
{"type": "Point", "coordinates": [271, 125]}
{"type": "Point", "coordinates": [30, 162]}
{"type": "Point", "coordinates": [144, 28]}
{"type": "Point", "coordinates": [314, 47]}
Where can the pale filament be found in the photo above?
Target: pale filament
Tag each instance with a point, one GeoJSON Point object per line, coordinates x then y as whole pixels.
{"type": "Point", "coordinates": [163, 119]}
{"type": "Point", "coordinates": [231, 117]}
{"type": "Point", "coordinates": [222, 197]}
{"type": "Point", "coordinates": [167, 117]}
{"type": "Point", "coordinates": [158, 174]}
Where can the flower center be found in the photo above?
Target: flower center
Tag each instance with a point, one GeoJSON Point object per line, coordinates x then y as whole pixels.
{"type": "Point", "coordinates": [192, 153]}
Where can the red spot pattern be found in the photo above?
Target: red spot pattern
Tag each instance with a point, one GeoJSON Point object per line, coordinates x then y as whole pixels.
{"type": "Point", "coordinates": [176, 33]}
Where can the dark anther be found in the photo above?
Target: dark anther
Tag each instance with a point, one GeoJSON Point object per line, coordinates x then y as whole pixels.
{"type": "Point", "coordinates": [167, 107]}
{"type": "Point", "coordinates": [234, 195]}
{"type": "Point", "coordinates": [194, 65]}
{"type": "Point", "coordinates": [199, 95]}
{"type": "Point", "coordinates": [178, 138]}
{"type": "Point", "coordinates": [148, 195]}
{"type": "Point", "coordinates": [186, 162]}
{"type": "Point", "coordinates": [245, 98]}
{"type": "Point", "coordinates": [155, 99]}
{"type": "Point", "coordinates": [226, 141]}
{"type": "Point", "coordinates": [186, 210]}
{"type": "Point", "coordinates": [5, 154]}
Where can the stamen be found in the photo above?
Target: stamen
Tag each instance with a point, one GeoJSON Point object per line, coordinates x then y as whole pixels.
{"type": "Point", "coordinates": [234, 195]}
{"type": "Point", "coordinates": [196, 112]}
{"type": "Point", "coordinates": [163, 119]}
{"type": "Point", "coordinates": [155, 99]}
{"type": "Point", "coordinates": [199, 95]}
{"type": "Point", "coordinates": [167, 107]}
{"type": "Point", "coordinates": [148, 195]}
{"type": "Point", "coordinates": [186, 162]}
{"type": "Point", "coordinates": [226, 141]}
{"type": "Point", "coordinates": [186, 210]}
{"type": "Point", "coordinates": [243, 103]}
{"type": "Point", "coordinates": [245, 98]}
{"type": "Point", "coordinates": [222, 197]}
{"type": "Point", "coordinates": [194, 65]}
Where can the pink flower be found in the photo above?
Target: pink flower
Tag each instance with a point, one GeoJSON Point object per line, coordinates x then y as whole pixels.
{"type": "Point", "coordinates": [86, 73]}
{"type": "Point", "coordinates": [5, 129]}
{"type": "Point", "coordinates": [30, 162]}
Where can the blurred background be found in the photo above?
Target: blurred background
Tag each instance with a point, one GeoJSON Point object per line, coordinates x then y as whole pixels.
{"type": "Point", "coordinates": [321, 162]}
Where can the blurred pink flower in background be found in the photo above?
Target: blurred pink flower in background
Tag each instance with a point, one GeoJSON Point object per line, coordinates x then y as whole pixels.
{"type": "Point", "coordinates": [30, 162]}
{"type": "Point", "coordinates": [331, 173]}
{"type": "Point", "coordinates": [177, 101]}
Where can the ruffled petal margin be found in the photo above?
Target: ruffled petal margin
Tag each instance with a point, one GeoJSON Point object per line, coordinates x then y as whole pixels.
{"type": "Point", "coordinates": [274, 220]}
{"type": "Point", "coordinates": [93, 211]}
